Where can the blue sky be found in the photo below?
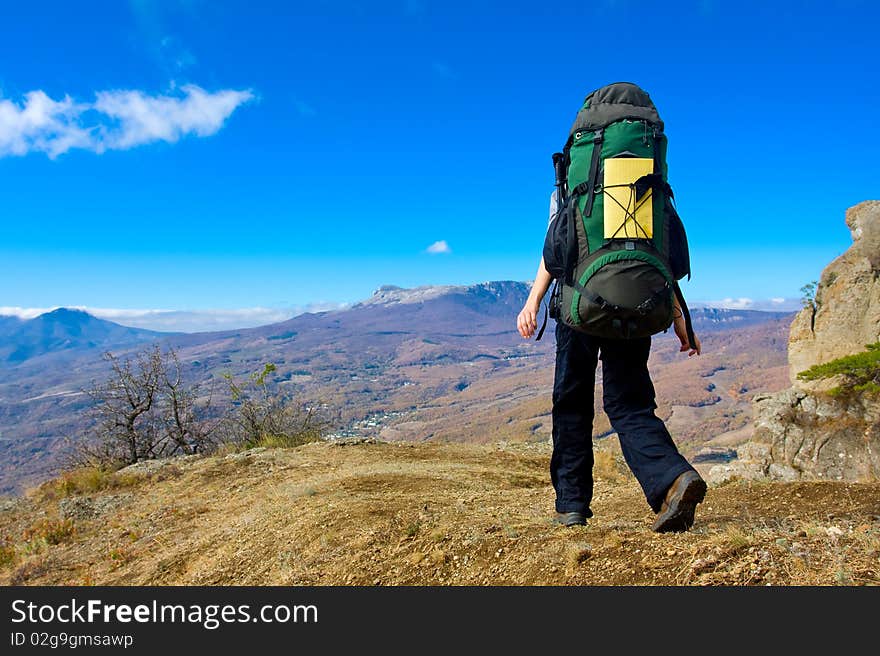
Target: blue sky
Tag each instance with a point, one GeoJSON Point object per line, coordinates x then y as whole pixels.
{"type": "Point", "coordinates": [198, 155]}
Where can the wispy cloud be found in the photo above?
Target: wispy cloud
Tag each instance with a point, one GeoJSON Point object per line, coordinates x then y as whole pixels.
{"type": "Point", "coordinates": [152, 21]}
{"type": "Point", "coordinates": [187, 321]}
{"type": "Point", "coordinates": [117, 120]}
{"type": "Point", "coordinates": [742, 303]}
{"type": "Point", "coordinates": [438, 247]}
{"type": "Point", "coordinates": [175, 57]}
{"type": "Point", "coordinates": [778, 304]}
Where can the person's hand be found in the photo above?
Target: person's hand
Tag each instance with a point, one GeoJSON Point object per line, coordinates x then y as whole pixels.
{"type": "Point", "coordinates": [527, 321]}
{"type": "Point", "coordinates": [681, 332]}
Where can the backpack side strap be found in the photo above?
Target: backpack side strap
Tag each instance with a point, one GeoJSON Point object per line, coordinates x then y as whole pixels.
{"type": "Point", "coordinates": [543, 325]}
{"type": "Point", "coordinates": [592, 178]}
{"type": "Point", "coordinates": [688, 326]}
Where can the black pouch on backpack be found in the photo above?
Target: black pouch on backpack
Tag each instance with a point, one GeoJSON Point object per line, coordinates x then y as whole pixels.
{"type": "Point", "coordinates": [560, 244]}
{"type": "Point", "coordinates": [679, 255]}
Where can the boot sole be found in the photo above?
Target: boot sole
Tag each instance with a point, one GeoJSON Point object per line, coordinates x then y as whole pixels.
{"type": "Point", "coordinates": [570, 519]}
{"type": "Point", "coordinates": [679, 516]}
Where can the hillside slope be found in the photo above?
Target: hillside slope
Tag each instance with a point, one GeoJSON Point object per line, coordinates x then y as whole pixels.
{"type": "Point", "coordinates": [407, 364]}
{"type": "Point", "coordinates": [400, 514]}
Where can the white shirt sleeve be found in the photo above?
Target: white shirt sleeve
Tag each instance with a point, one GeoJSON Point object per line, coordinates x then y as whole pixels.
{"type": "Point", "coordinates": [554, 207]}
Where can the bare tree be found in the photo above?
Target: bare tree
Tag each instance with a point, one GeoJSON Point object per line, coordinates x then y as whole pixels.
{"type": "Point", "coordinates": [148, 408]}
{"type": "Point", "coordinates": [185, 423]}
{"type": "Point", "coordinates": [145, 410]}
{"type": "Point", "coordinates": [122, 404]}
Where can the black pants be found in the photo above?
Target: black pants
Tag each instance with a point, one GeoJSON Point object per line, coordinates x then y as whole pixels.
{"type": "Point", "coordinates": [628, 398]}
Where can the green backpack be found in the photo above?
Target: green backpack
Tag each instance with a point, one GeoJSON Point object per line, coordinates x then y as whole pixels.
{"type": "Point", "coordinates": [617, 247]}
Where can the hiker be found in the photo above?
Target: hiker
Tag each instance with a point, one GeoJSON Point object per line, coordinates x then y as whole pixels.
{"type": "Point", "coordinates": [616, 248]}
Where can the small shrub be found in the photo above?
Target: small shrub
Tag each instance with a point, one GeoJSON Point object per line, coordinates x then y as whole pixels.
{"type": "Point", "coordinates": [842, 575]}
{"type": "Point", "coordinates": [264, 415]}
{"type": "Point", "coordinates": [734, 540]}
{"type": "Point", "coordinates": [8, 555]}
{"type": "Point", "coordinates": [578, 553]}
{"type": "Point", "coordinates": [31, 569]}
{"type": "Point", "coordinates": [52, 531]}
{"type": "Point", "coordinates": [860, 372]}
{"type": "Point", "coordinates": [87, 480]}
{"type": "Point", "coordinates": [412, 529]}
{"type": "Point", "coordinates": [287, 441]}
{"type": "Point", "coordinates": [808, 295]}
{"type": "Point", "coordinates": [84, 481]}
{"type": "Point", "coordinates": [133, 534]}
{"type": "Point", "coordinates": [119, 557]}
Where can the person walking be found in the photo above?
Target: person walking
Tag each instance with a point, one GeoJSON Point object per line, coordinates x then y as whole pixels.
{"type": "Point", "coordinates": [672, 487]}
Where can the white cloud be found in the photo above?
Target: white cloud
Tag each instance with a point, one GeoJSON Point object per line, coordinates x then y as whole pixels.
{"type": "Point", "coordinates": [143, 119]}
{"type": "Point", "coordinates": [742, 303]}
{"type": "Point", "coordinates": [117, 120]}
{"type": "Point", "coordinates": [438, 247]}
{"type": "Point", "coordinates": [776, 304]}
{"type": "Point", "coordinates": [187, 321]}
{"type": "Point", "coordinates": [41, 124]}
{"type": "Point", "coordinates": [22, 313]}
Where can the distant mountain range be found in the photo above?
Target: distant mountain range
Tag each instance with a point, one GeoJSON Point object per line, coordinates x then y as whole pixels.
{"type": "Point", "coordinates": [64, 329]}
{"type": "Point", "coordinates": [442, 362]}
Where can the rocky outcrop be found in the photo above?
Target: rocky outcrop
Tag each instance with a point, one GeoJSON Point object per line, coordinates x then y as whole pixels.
{"type": "Point", "coordinates": [847, 313]}
{"type": "Point", "coordinates": [802, 435]}
{"type": "Point", "coordinates": [804, 432]}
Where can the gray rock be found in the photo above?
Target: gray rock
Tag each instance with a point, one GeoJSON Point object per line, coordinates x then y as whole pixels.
{"type": "Point", "coordinates": [91, 508]}
{"type": "Point", "coordinates": [9, 504]}
{"type": "Point", "coordinates": [149, 467]}
{"type": "Point", "coordinates": [848, 300]}
{"type": "Point", "coordinates": [804, 432]}
{"type": "Point", "coordinates": [351, 441]}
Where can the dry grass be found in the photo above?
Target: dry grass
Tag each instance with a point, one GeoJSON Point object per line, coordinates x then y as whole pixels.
{"type": "Point", "coordinates": [733, 540]}
{"type": "Point", "coordinates": [607, 467]}
{"type": "Point", "coordinates": [85, 480]}
{"type": "Point", "coordinates": [269, 441]}
{"type": "Point", "coordinates": [51, 531]}
{"type": "Point", "coordinates": [434, 514]}
{"type": "Point", "coordinates": [8, 555]}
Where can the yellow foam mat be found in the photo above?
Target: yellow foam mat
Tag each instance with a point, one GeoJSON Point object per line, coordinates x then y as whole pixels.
{"type": "Point", "coordinates": [624, 218]}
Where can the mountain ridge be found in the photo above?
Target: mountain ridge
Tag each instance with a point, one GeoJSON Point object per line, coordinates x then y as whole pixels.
{"type": "Point", "coordinates": [64, 329]}
{"type": "Point", "coordinates": [449, 367]}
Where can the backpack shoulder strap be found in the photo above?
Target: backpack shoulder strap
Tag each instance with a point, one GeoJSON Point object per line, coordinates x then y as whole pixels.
{"type": "Point", "coordinates": [688, 325]}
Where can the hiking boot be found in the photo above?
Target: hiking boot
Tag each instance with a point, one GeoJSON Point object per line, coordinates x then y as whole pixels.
{"type": "Point", "coordinates": [677, 512]}
{"type": "Point", "coordinates": [571, 519]}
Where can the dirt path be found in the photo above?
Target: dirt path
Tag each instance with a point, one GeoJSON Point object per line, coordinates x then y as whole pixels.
{"type": "Point", "coordinates": [403, 514]}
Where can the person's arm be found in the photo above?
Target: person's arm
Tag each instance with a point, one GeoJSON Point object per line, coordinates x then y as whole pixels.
{"type": "Point", "coordinates": [681, 331]}
{"type": "Point", "coordinates": [527, 321]}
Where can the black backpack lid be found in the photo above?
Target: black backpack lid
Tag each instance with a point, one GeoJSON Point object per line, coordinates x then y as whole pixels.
{"type": "Point", "coordinates": [615, 102]}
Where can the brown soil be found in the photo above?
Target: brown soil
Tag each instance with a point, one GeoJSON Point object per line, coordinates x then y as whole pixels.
{"type": "Point", "coordinates": [434, 514]}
